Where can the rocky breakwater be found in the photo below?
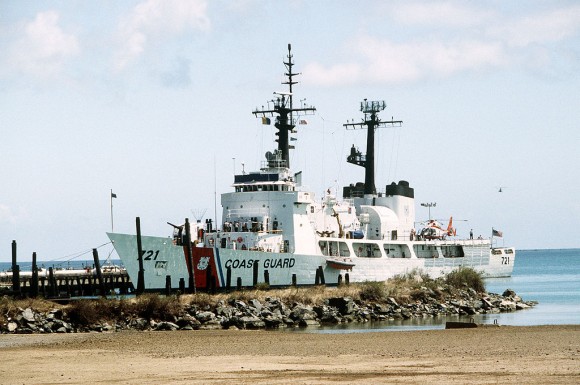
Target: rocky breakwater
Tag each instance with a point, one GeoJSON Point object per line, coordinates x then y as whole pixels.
{"type": "Point", "coordinates": [244, 312]}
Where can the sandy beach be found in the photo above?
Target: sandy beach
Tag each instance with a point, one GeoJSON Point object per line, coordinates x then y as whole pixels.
{"type": "Point", "coordinates": [488, 355]}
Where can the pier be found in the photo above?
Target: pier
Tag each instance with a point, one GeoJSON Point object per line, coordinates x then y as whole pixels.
{"type": "Point", "coordinates": [59, 283]}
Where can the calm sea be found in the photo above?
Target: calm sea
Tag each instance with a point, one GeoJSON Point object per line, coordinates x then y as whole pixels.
{"type": "Point", "coordinates": [551, 277]}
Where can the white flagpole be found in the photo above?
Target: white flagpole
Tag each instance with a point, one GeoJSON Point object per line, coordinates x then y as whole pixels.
{"type": "Point", "coordinates": [111, 197]}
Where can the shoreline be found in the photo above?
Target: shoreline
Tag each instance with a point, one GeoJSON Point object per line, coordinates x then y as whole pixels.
{"type": "Point", "coordinates": [490, 354]}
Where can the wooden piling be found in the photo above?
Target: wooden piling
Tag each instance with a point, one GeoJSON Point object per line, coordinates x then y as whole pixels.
{"type": "Point", "coordinates": [15, 271]}
{"type": "Point", "coordinates": [321, 274]}
{"type": "Point", "coordinates": [294, 279]}
{"type": "Point", "coordinates": [208, 279]}
{"type": "Point", "coordinates": [99, 273]}
{"type": "Point", "coordinates": [228, 278]}
{"type": "Point", "coordinates": [317, 277]}
{"type": "Point", "coordinates": [346, 279]}
{"type": "Point", "coordinates": [90, 289]}
{"type": "Point", "coordinates": [267, 277]}
{"type": "Point", "coordinates": [52, 289]}
{"type": "Point", "coordinates": [339, 279]}
{"type": "Point", "coordinates": [189, 256]}
{"type": "Point", "coordinates": [168, 285]}
{"type": "Point", "coordinates": [141, 274]}
{"type": "Point", "coordinates": [34, 279]}
{"type": "Point", "coordinates": [255, 274]}
{"type": "Point", "coordinates": [182, 285]}
{"type": "Point", "coordinates": [239, 283]}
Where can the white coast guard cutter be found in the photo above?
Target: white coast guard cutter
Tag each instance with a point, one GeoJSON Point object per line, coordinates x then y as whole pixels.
{"type": "Point", "coordinates": [273, 231]}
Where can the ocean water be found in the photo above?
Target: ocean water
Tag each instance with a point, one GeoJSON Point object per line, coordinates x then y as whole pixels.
{"type": "Point", "coordinates": [550, 276]}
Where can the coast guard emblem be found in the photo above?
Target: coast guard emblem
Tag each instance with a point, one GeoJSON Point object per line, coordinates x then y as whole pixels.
{"type": "Point", "coordinates": [203, 263]}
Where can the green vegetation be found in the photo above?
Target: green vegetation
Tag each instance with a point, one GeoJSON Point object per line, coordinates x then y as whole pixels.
{"type": "Point", "coordinates": [465, 278]}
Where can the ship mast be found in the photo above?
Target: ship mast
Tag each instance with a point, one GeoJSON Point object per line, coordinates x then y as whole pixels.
{"type": "Point", "coordinates": [371, 121]}
{"type": "Point", "coordinates": [284, 110]}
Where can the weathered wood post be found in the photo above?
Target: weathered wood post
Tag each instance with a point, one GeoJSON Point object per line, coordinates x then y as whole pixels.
{"type": "Point", "coordinates": [255, 274]}
{"type": "Point", "coordinates": [294, 279]}
{"type": "Point", "coordinates": [346, 279]}
{"type": "Point", "coordinates": [208, 279]}
{"type": "Point", "coordinates": [80, 286]}
{"type": "Point", "coordinates": [124, 284]}
{"type": "Point", "coordinates": [228, 278]}
{"type": "Point", "coordinates": [182, 285]}
{"type": "Point", "coordinates": [34, 280]}
{"type": "Point", "coordinates": [141, 276]}
{"type": "Point", "coordinates": [67, 286]}
{"type": "Point", "coordinates": [239, 283]}
{"type": "Point", "coordinates": [52, 289]}
{"type": "Point", "coordinates": [317, 277]}
{"type": "Point", "coordinates": [43, 284]}
{"type": "Point", "coordinates": [267, 277]}
{"type": "Point", "coordinates": [189, 256]}
{"type": "Point", "coordinates": [321, 274]}
{"type": "Point", "coordinates": [91, 289]}
{"type": "Point", "coordinates": [339, 279]}
{"type": "Point", "coordinates": [15, 271]}
{"type": "Point", "coordinates": [99, 273]}
{"type": "Point", "coordinates": [168, 285]}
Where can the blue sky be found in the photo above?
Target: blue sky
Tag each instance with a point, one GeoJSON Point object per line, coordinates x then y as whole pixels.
{"type": "Point", "coordinates": [153, 100]}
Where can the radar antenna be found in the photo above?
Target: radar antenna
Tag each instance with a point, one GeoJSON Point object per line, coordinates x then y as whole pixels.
{"type": "Point", "coordinates": [284, 111]}
{"type": "Point", "coordinates": [371, 121]}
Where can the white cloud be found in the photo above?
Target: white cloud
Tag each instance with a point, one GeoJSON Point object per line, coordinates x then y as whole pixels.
{"type": "Point", "coordinates": [445, 42]}
{"type": "Point", "coordinates": [387, 62]}
{"type": "Point", "coordinates": [439, 14]}
{"type": "Point", "coordinates": [9, 215]}
{"type": "Point", "coordinates": [540, 28]}
{"type": "Point", "coordinates": [158, 20]}
{"type": "Point", "coordinates": [44, 47]}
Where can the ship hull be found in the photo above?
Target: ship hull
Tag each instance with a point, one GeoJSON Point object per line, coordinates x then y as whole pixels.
{"type": "Point", "coordinates": [215, 267]}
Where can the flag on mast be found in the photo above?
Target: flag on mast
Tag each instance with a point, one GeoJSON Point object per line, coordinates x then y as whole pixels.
{"type": "Point", "coordinates": [113, 195]}
{"type": "Point", "coordinates": [496, 233]}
